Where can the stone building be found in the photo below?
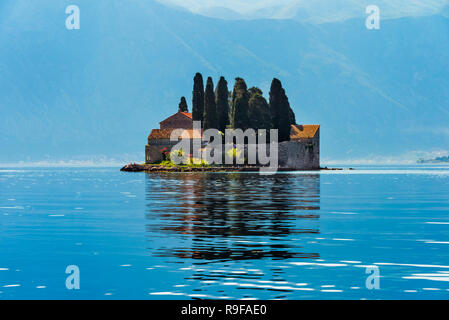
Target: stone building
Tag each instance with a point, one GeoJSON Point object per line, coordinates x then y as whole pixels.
{"type": "Point", "coordinates": [303, 149]}
{"type": "Point", "coordinates": [159, 139]}
{"type": "Point", "coordinates": [301, 152]}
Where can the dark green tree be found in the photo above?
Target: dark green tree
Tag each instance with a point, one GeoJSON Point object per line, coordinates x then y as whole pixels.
{"type": "Point", "coordinates": [222, 102]}
{"type": "Point", "coordinates": [210, 108]}
{"type": "Point", "coordinates": [259, 110]}
{"type": "Point", "coordinates": [282, 117]}
{"type": "Point", "coordinates": [183, 105]}
{"type": "Point", "coordinates": [292, 116]}
{"type": "Point", "coordinates": [240, 105]}
{"type": "Point", "coordinates": [198, 98]}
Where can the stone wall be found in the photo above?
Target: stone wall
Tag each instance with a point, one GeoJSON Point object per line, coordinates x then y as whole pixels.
{"type": "Point", "coordinates": [301, 153]}
{"type": "Point", "coordinates": [153, 153]}
{"type": "Point", "coordinates": [297, 154]}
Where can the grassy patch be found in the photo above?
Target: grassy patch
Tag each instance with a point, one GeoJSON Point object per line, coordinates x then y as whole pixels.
{"type": "Point", "coordinates": [167, 163]}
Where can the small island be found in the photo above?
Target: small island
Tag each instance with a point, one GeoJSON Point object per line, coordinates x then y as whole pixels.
{"type": "Point", "coordinates": [298, 145]}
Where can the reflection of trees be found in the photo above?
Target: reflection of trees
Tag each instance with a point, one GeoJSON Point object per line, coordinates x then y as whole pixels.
{"type": "Point", "coordinates": [232, 216]}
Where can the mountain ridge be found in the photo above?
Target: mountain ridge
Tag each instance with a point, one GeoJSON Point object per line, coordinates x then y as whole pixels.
{"type": "Point", "coordinates": [316, 12]}
{"type": "Point", "coordinates": [99, 90]}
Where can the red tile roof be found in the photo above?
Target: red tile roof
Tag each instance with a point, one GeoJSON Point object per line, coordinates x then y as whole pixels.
{"type": "Point", "coordinates": [165, 133]}
{"type": "Point", "coordinates": [306, 131]}
{"type": "Point", "coordinates": [187, 114]}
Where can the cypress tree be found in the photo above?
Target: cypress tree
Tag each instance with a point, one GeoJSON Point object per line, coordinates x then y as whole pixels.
{"type": "Point", "coordinates": [281, 113]}
{"type": "Point", "coordinates": [183, 105]}
{"type": "Point", "coordinates": [259, 110]}
{"type": "Point", "coordinates": [210, 109]}
{"type": "Point", "coordinates": [198, 98]}
{"type": "Point", "coordinates": [222, 102]}
{"type": "Point", "coordinates": [292, 116]}
{"type": "Point", "coordinates": [240, 105]}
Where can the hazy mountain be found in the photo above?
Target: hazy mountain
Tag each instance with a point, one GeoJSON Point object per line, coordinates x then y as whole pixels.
{"type": "Point", "coordinates": [99, 90]}
{"type": "Point", "coordinates": [316, 11]}
{"type": "Point", "coordinates": [445, 12]}
{"type": "Point", "coordinates": [220, 13]}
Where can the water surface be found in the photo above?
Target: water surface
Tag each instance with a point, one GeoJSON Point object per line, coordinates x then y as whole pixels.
{"type": "Point", "coordinates": [307, 235]}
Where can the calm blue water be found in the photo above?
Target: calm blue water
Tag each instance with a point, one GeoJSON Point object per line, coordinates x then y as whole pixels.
{"type": "Point", "coordinates": [224, 235]}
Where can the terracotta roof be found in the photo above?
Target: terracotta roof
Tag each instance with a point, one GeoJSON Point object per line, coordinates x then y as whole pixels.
{"type": "Point", "coordinates": [165, 133]}
{"type": "Point", "coordinates": [306, 131]}
{"type": "Point", "coordinates": [186, 114]}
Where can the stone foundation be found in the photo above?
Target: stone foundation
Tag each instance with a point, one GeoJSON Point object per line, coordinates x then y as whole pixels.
{"type": "Point", "coordinates": [301, 155]}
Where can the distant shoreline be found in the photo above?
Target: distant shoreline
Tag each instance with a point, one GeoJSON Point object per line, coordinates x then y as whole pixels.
{"type": "Point", "coordinates": [437, 160]}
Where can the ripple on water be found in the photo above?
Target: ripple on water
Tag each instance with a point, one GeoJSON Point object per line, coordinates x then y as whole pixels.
{"type": "Point", "coordinates": [429, 276]}
{"type": "Point", "coordinates": [168, 293]}
{"type": "Point", "coordinates": [319, 264]}
{"type": "Point", "coordinates": [436, 222]}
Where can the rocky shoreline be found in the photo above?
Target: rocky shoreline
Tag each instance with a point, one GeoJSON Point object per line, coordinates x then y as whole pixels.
{"type": "Point", "coordinates": [134, 167]}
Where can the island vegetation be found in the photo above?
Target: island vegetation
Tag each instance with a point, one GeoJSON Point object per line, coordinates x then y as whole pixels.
{"type": "Point", "coordinates": [241, 108]}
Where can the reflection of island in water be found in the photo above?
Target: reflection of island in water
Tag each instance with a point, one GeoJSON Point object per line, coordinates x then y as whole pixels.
{"type": "Point", "coordinates": [210, 216]}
